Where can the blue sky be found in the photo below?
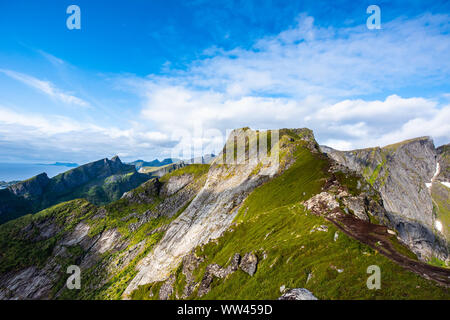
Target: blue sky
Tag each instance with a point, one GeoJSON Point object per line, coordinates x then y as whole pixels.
{"type": "Point", "coordinates": [142, 78]}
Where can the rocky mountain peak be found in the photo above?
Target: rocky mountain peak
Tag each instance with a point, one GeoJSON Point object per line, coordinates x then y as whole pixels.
{"type": "Point", "coordinates": [32, 187]}
{"type": "Point", "coordinates": [403, 174]}
{"type": "Point", "coordinates": [116, 159]}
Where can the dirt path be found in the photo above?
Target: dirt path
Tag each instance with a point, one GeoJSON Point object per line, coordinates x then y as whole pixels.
{"type": "Point", "coordinates": [378, 238]}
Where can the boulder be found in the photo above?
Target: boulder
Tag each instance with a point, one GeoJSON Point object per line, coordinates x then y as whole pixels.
{"type": "Point", "coordinates": [249, 263]}
{"type": "Point", "coordinates": [298, 294]}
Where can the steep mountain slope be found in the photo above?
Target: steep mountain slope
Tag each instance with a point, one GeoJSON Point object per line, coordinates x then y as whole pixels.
{"type": "Point", "coordinates": [106, 242]}
{"type": "Point", "coordinates": [292, 232]}
{"type": "Point", "coordinates": [222, 231]}
{"type": "Point", "coordinates": [440, 192]}
{"type": "Point", "coordinates": [210, 213]}
{"type": "Point", "coordinates": [404, 174]}
{"type": "Point", "coordinates": [99, 182]}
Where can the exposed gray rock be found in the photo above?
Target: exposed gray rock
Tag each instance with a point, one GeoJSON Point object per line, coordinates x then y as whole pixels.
{"type": "Point", "coordinates": [402, 174]}
{"type": "Point", "coordinates": [38, 283]}
{"type": "Point", "coordinates": [298, 294]}
{"type": "Point", "coordinates": [207, 216]}
{"type": "Point", "coordinates": [190, 263]}
{"type": "Point", "coordinates": [444, 162]}
{"type": "Point", "coordinates": [166, 289]}
{"type": "Point", "coordinates": [321, 203]}
{"type": "Point", "coordinates": [322, 228]}
{"type": "Point", "coordinates": [214, 270]}
{"type": "Point", "coordinates": [249, 263]}
{"type": "Point", "coordinates": [175, 184]}
{"type": "Point", "coordinates": [336, 236]}
{"type": "Point", "coordinates": [205, 284]}
{"type": "Point", "coordinates": [357, 206]}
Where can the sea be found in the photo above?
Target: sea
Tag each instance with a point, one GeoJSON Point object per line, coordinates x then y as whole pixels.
{"type": "Point", "coordinates": [21, 171]}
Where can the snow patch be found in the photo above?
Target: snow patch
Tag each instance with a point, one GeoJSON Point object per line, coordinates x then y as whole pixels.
{"type": "Point", "coordinates": [447, 184]}
{"type": "Point", "coordinates": [436, 173]}
{"type": "Point", "coordinates": [438, 225]}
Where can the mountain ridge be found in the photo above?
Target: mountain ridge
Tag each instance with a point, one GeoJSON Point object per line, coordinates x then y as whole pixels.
{"type": "Point", "coordinates": [100, 181]}
{"type": "Point", "coordinates": [403, 172]}
{"type": "Point", "coordinates": [225, 231]}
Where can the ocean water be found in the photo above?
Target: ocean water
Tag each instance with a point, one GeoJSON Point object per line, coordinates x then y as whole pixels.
{"type": "Point", "coordinates": [18, 171]}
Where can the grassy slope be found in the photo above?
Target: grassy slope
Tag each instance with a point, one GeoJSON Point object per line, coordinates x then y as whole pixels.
{"type": "Point", "coordinates": [118, 210]}
{"type": "Point", "coordinates": [273, 222]}
{"type": "Point", "coordinates": [195, 169]}
{"type": "Point", "coordinates": [99, 191]}
{"type": "Point", "coordinates": [18, 251]}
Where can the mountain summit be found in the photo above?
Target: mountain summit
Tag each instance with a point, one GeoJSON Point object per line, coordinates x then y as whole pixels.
{"type": "Point", "coordinates": [250, 225]}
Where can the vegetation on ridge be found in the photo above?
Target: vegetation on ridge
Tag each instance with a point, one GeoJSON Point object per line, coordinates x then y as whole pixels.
{"type": "Point", "coordinates": [273, 224]}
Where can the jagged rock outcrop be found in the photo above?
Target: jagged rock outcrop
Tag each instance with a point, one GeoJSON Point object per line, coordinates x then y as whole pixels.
{"type": "Point", "coordinates": [145, 194]}
{"type": "Point", "coordinates": [167, 288]}
{"type": "Point", "coordinates": [190, 263]}
{"type": "Point", "coordinates": [212, 210]}
{"type": "Point", "coordinates": [249, 263]}
{"type": "Point", "coordinates": [93, 251]}
{"type": "Point", "coordinates": [214, 270]}
{"type": "Point", "coordinates": [139, 241]}
{"type": "Point", "coordinates": [403, 174]}
{"type": "Point", "coordinates": [298, 294]}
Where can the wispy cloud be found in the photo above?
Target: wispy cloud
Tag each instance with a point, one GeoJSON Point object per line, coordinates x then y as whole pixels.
{"type": "Point", "coordinates": [46, 87]}
{"type": "Point", "coordinates": [344, 83]}
{"type": "Point", "coordinates": [46, 136]}
{"type": "Point", "coordinates": [310, 60]}
{"type": "Point", "coordinates": [316, 77]}
{"type": "Point", "coordinates": [51, 58]}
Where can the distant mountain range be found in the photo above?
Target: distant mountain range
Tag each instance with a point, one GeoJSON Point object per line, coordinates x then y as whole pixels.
{"type": "Point", "coordinates": [61, 164]}
{"type": "Point", "coordinates": [206, 159]}
{"type": "Point", "coordinates": [99, 182]}
{"type": "Point", "coordinates": [155, 163]}
{"type": "Point", "coordinates": [310, 227]}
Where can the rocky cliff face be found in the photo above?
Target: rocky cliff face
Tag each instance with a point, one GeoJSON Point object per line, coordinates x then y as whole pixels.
{"type": "Point", "coordinates": [248, 229]}
{"type": "Point", "coordinates": [210, 213]}
{"type": "Point", "coordinates": [403, 173]}
{"type": "Point", "coordinates": [69, 234]}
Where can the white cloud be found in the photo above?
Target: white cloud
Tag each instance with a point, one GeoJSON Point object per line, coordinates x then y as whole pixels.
{"type": "Point", "coordinates": [306, 76]}
{"type": "Point", "coordinates": [45, 87]}
{"type": "Point", "coordinates": [394, 108]}
{"type": "Point", "coordinates": [310, 60]}
{"type": "Point", "coordinates": [309, 76]}
{"type": "Point", "coordinates": [43, 137]}
{"type": "Point", "coordinates": [378, 129]}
